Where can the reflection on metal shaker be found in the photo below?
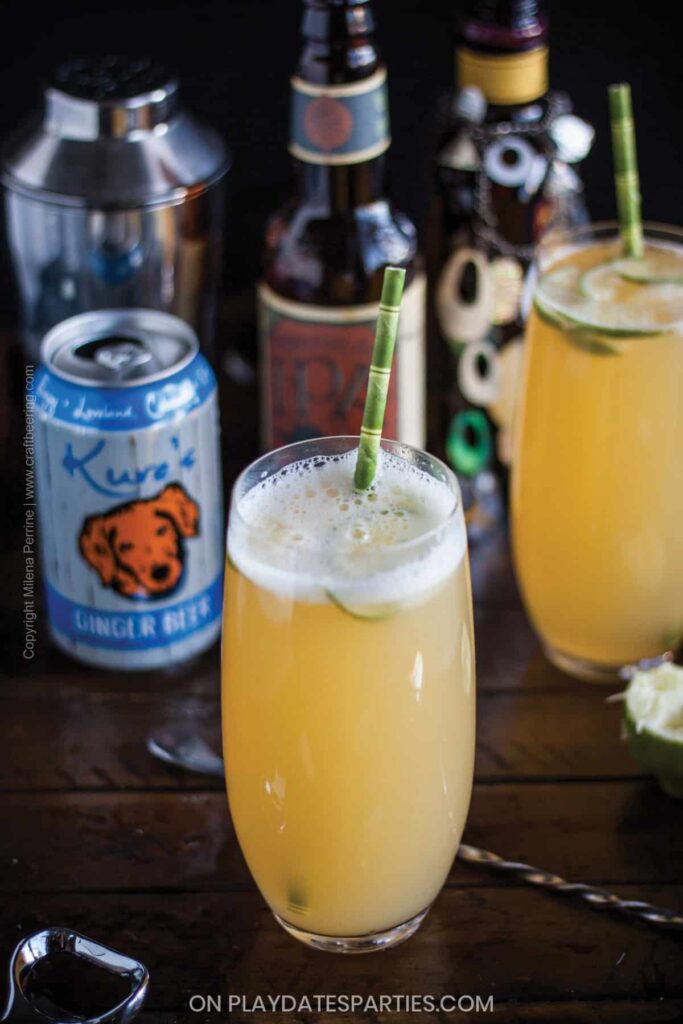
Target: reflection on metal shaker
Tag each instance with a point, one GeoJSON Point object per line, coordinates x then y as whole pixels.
{"type": "Point", "coordinates": [114, 200]}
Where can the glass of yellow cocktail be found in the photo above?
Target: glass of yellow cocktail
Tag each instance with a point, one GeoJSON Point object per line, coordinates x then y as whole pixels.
{"type": "Point", "coordinates": [348, 688]}
{"type": "Point", "coordinates": [597, 490]}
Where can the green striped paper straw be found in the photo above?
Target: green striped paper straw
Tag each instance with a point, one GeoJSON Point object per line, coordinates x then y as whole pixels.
{"type": "Point", "coordinates": [626, 169]}
{"type": "Point", "coordinates": [379, 376]}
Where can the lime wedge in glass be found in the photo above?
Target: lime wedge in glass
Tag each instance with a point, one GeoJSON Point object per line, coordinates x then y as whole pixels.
{"type": "Point", "coordinates": [653, 724]}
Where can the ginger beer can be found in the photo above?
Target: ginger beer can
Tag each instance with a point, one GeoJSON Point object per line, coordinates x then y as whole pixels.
{"type": "Point", "coordinates": [129, 489]}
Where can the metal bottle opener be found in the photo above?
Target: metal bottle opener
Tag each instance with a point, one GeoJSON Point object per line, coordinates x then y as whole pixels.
{"type": "Point", "coordinates": [22, 1002]}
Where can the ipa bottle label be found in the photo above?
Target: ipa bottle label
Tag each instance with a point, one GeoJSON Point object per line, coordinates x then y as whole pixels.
{"type": "Point", "coordinates": [340, 124]}
{"type": "Point", "coordinates": [326, 248]}
{"type": "Point", "coordinates": [315, 363]}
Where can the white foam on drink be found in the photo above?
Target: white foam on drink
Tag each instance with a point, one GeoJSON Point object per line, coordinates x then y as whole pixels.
{"type": "Point", "coordinates": [304, 532]}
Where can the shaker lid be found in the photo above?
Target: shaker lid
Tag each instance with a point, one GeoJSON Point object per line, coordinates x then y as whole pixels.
{"type": "Point", "coordinates": [112, 79]}
{"type": "Point", "coordinates": [113, 136]}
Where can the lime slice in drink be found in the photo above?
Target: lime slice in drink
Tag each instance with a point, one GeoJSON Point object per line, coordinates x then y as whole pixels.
{"type": "Point", "coordinates": [296, 897]}
{"type": "Point", "coordinates": [601, 283]}
{"type": "Point", "coordinates": [578, 334]}
{"type": "Point", "coordinates": [635, 305]}
{"type": "Point", "coordinates": [659, 266]}
{"type": "Point", "coordinates": [599, 311]}
{"type": "Point", "coordinates": [366, 612]}
{"type": "Point", "coordinates": [628, 298]}
{"type": "Point", "coordinates": [653, 724]}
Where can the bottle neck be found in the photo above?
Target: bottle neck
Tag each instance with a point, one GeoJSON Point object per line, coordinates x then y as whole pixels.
{"type": "Point", "coordinates": [340, 190]}
{"type": "Point", "coordinates": [503, 51]}
{"type": "Point", "coordinates": [340, 117]}
{"type": "Point", "coordinates": [338, 42]}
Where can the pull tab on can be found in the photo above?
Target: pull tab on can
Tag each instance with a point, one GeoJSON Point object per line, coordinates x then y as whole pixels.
{"type": "Point", "coordinates": [118, 348]}
{"type": "Point", "coordinates": [121, 355]}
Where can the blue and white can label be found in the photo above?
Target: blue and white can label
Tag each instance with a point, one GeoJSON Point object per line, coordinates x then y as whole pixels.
{"type": "Point", "coordinates": [340, 124]}
{"type": "Point", "coordinates": [130, 516]}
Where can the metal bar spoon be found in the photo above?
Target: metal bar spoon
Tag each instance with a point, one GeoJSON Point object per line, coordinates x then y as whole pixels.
{"type": "Point", "coordinates": [182, 749]}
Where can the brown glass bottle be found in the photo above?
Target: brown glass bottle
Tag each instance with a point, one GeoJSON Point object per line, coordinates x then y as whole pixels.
{"type": "Point", "coordinates": [502, 177]}
{"type": "Point", "coordinates": [327, 247]}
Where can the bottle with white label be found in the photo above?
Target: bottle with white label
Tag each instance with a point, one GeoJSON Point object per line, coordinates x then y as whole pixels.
{"type": "Point", "coordinates": [327, 247]}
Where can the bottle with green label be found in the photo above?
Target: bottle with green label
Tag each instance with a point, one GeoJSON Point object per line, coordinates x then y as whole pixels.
{"type": "Point", "coordinates": [505, 172]}
{"type": "Point", "coordinates": [327, 247]}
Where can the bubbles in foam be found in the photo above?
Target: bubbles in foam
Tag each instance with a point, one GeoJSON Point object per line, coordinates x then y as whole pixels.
{"type": "Point", "coordinates": [304, 530]}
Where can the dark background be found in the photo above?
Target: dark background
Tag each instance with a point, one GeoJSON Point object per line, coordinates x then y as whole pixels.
{"type": "Point", "coordinates": [234, 58]}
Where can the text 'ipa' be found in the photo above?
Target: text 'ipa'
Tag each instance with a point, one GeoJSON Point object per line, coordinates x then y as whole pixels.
{"type": "Point", "coordinates": [327, 247]}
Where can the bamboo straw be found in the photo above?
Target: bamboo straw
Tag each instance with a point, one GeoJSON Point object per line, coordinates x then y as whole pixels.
{"type": "Point", "coordinates": [626, 170]}
{"type": "Point", "coordinates": [378, 378]}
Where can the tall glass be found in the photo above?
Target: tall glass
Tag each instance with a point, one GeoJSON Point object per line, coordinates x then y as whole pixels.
{"type": "Point", "coordinates": [348, 688]}
{"type": "Point", "coordinates": [597, 487]}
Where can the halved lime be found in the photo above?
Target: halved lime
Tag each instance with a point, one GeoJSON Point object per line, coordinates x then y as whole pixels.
{"type": "Point", "coordinates": [653, 724]}
{"type": "Point", "coordinates": [366, 612]}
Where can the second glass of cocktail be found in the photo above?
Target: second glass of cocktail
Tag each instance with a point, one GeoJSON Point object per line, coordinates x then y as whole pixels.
{"type": "Point", "coordinates": [348, 688]}
{"type": "Point", "coordinates": [597, 500]}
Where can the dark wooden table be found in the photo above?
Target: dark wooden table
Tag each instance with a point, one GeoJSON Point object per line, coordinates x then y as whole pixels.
{"type": "Point", "coordinates": [97, 835]}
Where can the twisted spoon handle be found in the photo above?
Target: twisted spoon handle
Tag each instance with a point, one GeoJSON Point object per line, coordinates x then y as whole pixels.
{"type": "Point", "coordinates": [598, 898]}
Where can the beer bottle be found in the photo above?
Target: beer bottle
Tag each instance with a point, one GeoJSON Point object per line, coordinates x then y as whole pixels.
{"type": "Point", "coordinates": [326, 248]}
{"type": "Point", "coordinates": [503, 176]}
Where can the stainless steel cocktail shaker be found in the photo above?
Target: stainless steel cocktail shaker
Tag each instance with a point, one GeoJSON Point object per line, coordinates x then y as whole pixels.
{"type": "Point", "coordinates": [114, 199]}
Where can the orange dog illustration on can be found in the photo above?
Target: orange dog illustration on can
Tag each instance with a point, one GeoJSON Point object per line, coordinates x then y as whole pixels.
{"type": "Point", "coordinates": [138, 548]}
{"type": "Point", "coordinates": [130, 503]}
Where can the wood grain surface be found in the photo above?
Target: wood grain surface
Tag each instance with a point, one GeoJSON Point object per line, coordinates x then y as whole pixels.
{"type": "Point", "coordinates": [98, 835]}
